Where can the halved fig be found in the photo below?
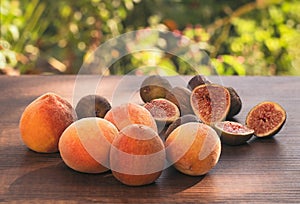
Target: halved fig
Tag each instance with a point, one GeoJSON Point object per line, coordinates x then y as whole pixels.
{"type": "Point", "coordinates": [180, 121]}
{"type": "Point", "coordinates": [180, 96]}
{"type": "Point", "coordinates": [210, 102]}
{"type": "Point", "coordinates": [163, 110]}
{"type": "Point", "coordinates": [235, 103]}
{"type": "Point", "coordinates": [153, 87]}
{"type": "Point", "coordinates": [266, 118]}
{"type": "Point", "coordinates": [233, 133]}
{"type": "Point", "coordinates": [197, 80]}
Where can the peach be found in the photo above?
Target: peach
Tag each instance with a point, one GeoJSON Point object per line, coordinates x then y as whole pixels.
{"type": "Point", "coordinates": [84, 146]}
{"type": "Point", "coordinates": [130, 113]}
{"type": "Point", "coordinates": [137, 155]}
{"type": "Point", "coordinates": [43, 122]}
{"type": "Point", "coordinates": [193, 148]}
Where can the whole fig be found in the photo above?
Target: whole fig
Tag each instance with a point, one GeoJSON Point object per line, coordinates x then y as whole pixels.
{"type": "Point", "coordinates": [92, 106]}
{"type": "Point", "coordinates": [154, 87]}
{"type": "Point", "coordinates": [197, 80]}
{"type": "Point", "coordinates": [180, 96]}
{"type": "Point", "coordinates": [235, 103]}
{"type": "Point", "coordinates": [180, 121]}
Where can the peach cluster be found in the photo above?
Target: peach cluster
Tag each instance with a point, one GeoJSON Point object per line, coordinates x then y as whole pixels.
{"type": "Point", "coordinates": [125, 140]}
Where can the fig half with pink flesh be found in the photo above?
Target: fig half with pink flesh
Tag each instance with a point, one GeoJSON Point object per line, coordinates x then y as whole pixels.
{"type": "Point", "coordinates": [266, 118]}
{"type": "Point", "coordinates": [233, 133]}
{"type": "Point", "coordinates": [210, 102]}
{"type": "Point", "coordinates": [163, 110]}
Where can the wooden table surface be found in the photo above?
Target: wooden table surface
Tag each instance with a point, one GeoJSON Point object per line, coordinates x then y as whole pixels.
{"type": "Point", "coordinates": [264, 170]}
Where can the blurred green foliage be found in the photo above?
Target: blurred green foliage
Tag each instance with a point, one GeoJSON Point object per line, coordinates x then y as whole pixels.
{"type": "Point", "coordinates": [246, 37]}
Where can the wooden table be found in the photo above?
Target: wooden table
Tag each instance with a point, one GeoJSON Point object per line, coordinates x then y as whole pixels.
{"type": "Point", "coordinates": [265, 170]}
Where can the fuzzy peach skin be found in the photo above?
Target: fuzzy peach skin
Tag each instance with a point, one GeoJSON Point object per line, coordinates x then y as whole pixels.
{"type": "Point", "coordinates": [137, 155]}
{"type": "Point", "coordinates": [43, 122]}
{"type": "Point", "coordinates": [84, 146]}
{"type": "Point", "coordinates": [130, 113]}
{"type": "Point", "coordinates": [193, 148]}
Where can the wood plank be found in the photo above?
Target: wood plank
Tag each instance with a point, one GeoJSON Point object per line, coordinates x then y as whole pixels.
{"type": "Point", "coordinates": [264, 170]}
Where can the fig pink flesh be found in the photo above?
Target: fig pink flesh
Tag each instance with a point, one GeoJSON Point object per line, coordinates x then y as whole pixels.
{"type": "Point", "coordinates": [211, 103]}
{"type": "Point", "coordinates": [235, 128]}
{"type": "Point", "coordinates": [265, 118]}
{"type": "Point", "coordinates": [160, 109]}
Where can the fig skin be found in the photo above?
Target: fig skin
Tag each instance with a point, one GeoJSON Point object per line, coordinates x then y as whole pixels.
{"type": "Point", "coordinates": [180, 96]}
{"type": "Point", "coordinates": [197, 80]}
{"type": "Point", "coordinates": [235, 103]}
{"type": "Point", "coordinates": [206, 104]}
{"type": "Point", "coordinates": [263, 114]}
{"type": "Point", "coordinates": [92, 106]}
{"type": "Point", "coordinates": [238, 136]}
{"type": "Point", "coordinates": [180, 121]}
{"type": "Point", "coordinates": [154, 87]}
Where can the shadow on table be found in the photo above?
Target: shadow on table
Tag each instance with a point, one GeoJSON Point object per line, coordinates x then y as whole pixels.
{"type": "Point", "coordinates": [60, 182]}
{"type": "Point", "coordinates": [268, 146]}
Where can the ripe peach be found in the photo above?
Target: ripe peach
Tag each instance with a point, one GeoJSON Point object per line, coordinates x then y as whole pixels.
{"type": "Point", "coordinates": [137, 155]}
{"type": "Point", "coordinates": [43, 122]}
{"type": "Point", "coordinates": [194, 148]}
{"type": "Point", "coordinates": [130, 113]}
{"type": "Point", "coordinates": [84, 146]}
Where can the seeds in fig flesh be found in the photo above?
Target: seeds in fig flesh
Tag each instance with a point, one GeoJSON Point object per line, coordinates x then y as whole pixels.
{"type": "Point", "coordinates": [180, 121]}
{"type": "Point", "coordinates": [266, 118]}
{"type": "Point", "coordinates": [235, 103]}
{"type": "Point", "coordinates": [92, 106]}
{"type": "Point", "coordinates": [154, 87]}
{"type": "Point", "coordinates": [197, 80]}
{"type": "Point", "coordinates": [233, 133]}
{"type": "Point", "coordinates": [180, 96]}
{"type": "Point", "coordinates": [163, 110]}
{"type": "Point", "coordinates": [210, 102]}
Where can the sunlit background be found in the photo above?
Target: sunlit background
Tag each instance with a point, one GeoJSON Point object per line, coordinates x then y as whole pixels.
{"type": "Point", "coordinates": [246, 37]}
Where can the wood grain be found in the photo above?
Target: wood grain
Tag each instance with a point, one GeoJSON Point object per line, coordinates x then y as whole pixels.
{"type": "Point", "coordinates": [264, 170]}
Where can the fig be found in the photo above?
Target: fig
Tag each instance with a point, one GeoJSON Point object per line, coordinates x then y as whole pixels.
{"type": "Point", "coordinates": [180, 121]}
{"type": "Point", "coordinates": [92, 106]}
{"type": "Point", "coordinates": [210, 102]}
{"type": "Point", "coordinates": [180, 96]}
{"type": "Point", "coordinates": [197, 80]}
{"type": "Point", "coordinates": [154, 87]}
{"type": "Point", "coordinates": [235, 103]}
{"type": "Point", "coordinates": [266, 118]}
{"type": "Point", "coordinates": [163, 110]}
{"type": "Point", "coordinates": [233, 133]}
